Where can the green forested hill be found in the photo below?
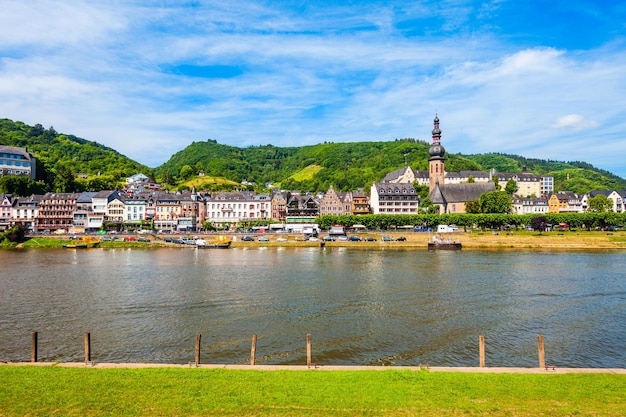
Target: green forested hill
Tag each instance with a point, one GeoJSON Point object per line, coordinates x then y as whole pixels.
{"type": "Point", "coordinates": [348, 166]}
{"type": "Point", "coordinates": [576, 176]}
{"type": "Point", "coordinates": [60, 150]}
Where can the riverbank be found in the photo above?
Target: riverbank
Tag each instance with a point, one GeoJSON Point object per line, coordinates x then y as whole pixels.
{"type": "Point", "coordinates": [54, 390]}
{"type": "Point", "coordinates": [474, 240]}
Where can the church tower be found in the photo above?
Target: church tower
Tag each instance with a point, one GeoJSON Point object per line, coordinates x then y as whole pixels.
{"type": "Point", "coordinates": [437, 157]}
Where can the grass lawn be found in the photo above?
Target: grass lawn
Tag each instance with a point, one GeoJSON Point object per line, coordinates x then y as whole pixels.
{"type": "Point", "coordinates": [59, 391]}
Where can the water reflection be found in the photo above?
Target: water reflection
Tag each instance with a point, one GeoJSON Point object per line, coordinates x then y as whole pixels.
{"type": "Point", "coordinates": [361, 307]}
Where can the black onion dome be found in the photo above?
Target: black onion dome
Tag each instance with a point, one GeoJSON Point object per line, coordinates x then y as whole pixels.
{"type": "Point", "coordinates": [437, 150]}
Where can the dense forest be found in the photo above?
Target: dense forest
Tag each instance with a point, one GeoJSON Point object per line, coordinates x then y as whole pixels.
{"type": "Point", "coordinates": [345, 166]}
{"type": "Point", "coordinates": [353, 165]}
{"type": "Point", "coordinates": [61, 158]}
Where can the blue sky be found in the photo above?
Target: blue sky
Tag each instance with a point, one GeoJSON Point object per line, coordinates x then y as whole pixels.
{"type": "Point", "coordinates": [542, 79]}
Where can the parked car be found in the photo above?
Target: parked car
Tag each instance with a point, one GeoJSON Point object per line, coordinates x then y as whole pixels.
{"type": "Point", "coordinates": [354, 239]}
{"type": "Point", "coordinates": [143, 239]}
{"type": "Point", "coordinates": [328, 239]}
{"type": "Point", "coordinates": [401, 239]}
{"type": "Point", "coordinates": [130, 238]}
{"type": "Point", "coordinates": [168, 240]}
{"type": "Point", "coordinates": [263, 239]}
{"type": "Point", "coordinates": [343, 238]}
{"type": "Point", "coordinates": [247, 239]}
{"type": "Point", "coordinates": [281, 239]}
{"type": "Point", "coordinates": [387, 239]}
{"type": "Point", "coordinates": [370, 239]}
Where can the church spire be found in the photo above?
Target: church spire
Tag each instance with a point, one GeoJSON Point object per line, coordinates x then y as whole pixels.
{"type": "Point", "coordinates": [436, 131]}
{"type": "Point", "coordinates": [437, 153]}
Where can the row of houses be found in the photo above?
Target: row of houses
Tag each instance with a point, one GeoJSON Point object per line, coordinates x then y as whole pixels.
{"type": "Point", "coordinates": [188, 210]}
{"type": "Point", "coordinates": [167, 211]}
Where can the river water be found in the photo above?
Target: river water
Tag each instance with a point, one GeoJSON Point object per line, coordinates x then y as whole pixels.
{"type": "Point", "coordinates": [361, 307]}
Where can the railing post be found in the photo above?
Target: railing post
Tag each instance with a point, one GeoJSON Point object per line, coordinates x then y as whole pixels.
{"type": "Point", "coordinates": [33, 351]}
{"type": "Point", "coordinates": [481, 348]}
{"type": "Point", "coordinates": [542, 353]}
{"type": "Point", "coordinates": [253, 350]}
{"type": "Point", "coordinates": [198, 339]}
{"type": "Point", "coordinates": [87, 340]}
{"type": "Point", "coordinates": [308, 350]}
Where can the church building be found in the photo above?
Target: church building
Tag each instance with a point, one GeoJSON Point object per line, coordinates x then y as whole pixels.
{"type": "Point", "coordinates": [451, 198]}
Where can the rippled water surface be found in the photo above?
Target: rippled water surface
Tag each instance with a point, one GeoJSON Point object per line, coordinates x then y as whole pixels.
{"type": "Point", "coordinates": [360, 307]}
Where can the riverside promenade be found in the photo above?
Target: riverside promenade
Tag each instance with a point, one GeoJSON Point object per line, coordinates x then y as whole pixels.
{"type": "Point", "coordinates": [316, 367]}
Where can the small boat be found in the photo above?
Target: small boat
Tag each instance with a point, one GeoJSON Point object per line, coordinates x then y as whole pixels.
{"type": "Point", "coordinates": [220, 242]}
{"type": "Point", "coordinates": [75, 246]}
{"type": "Point", "coordinates": [82, 243]}
{"type": "Point", "coordinates": [437, 242]}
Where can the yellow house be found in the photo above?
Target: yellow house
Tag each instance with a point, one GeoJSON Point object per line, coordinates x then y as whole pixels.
{"type": "Point", "coordinates": [565, 202]}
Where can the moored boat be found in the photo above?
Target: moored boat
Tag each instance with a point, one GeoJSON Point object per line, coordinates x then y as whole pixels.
{"type": "Point", "coordinates": [75, 246]}
{"type": "Point", "coordinates": [82, 243]}
{"type": "Point", "coordinates": [220, 242]}
{"type": "Point", "coordinates": [438, 242]}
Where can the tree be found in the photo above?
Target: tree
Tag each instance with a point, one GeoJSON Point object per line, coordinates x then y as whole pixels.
{"type": "Point", "coordinates": [21, 186]}
{"type": "Point", "coordinates": [64, 181]}
{"type": "Point", "coordinates": [600, 204]}
{"type": "Point", "coordinates": [14, 234]}
{"type": "Point", "coordinates": [494, 178]}
{"type": "Point", "coordinates": [427, 206]}
{"type": "Point", "coordinates": [539, 223]}
{"type": "Point", "coordinates": [472, 206]}
{"type": "Point", "coordinates": [511, 187]}
{"type": "Point", "coordinates": [186, 172]}
{"type": "Point", "coordinates": [495, 202]}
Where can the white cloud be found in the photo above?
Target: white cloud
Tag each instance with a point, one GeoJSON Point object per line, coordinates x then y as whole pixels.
{"type": "Point", "coordinates": [50, 23]}
{"type": "Point", "coordinates": [574, 122]}
{"type": "Point", "coordinates": [332, 74]}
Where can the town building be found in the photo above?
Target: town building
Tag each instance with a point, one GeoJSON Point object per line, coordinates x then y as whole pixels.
{"type": "Point", "coordinates": [99, 209]}
{"type": "Point", "coordinates": [56, 211]}
{"type": "Point", "coordinates": [529, 205]}
{"type": "Point", "coordinates": [17, 161]}
{"type": "Point", "coordinates": [567, 202]}
{"type": "Point", "coordinates": [168, 209]}
{"type": "Point", "coordinates": [394, 198]}
{"type": "Point", "coordinates": [336, 203]}
{"type": "Point", "coordinates": [6, 210]}
{"type": "Point", "coordinates": [463, 177]}
{"type": "Point", "coordinates": [302, 208]}
{"type": "Point", "coordinates": [26, 212]}
{"type": "Point", "coordinates": [235, 207]}
{"type": "Point", "coordinates": [360, 203]}
{"type": "Point", "coordinates": [279, 206]}
{"type": "Point", "coordinates": [528, 184]}
{"type": "Point", "coordinates": [82, 211]}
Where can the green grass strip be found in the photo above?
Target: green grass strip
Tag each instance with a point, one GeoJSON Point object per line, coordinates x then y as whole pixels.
{"type": "Point", "coordinates": [46, 391]}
